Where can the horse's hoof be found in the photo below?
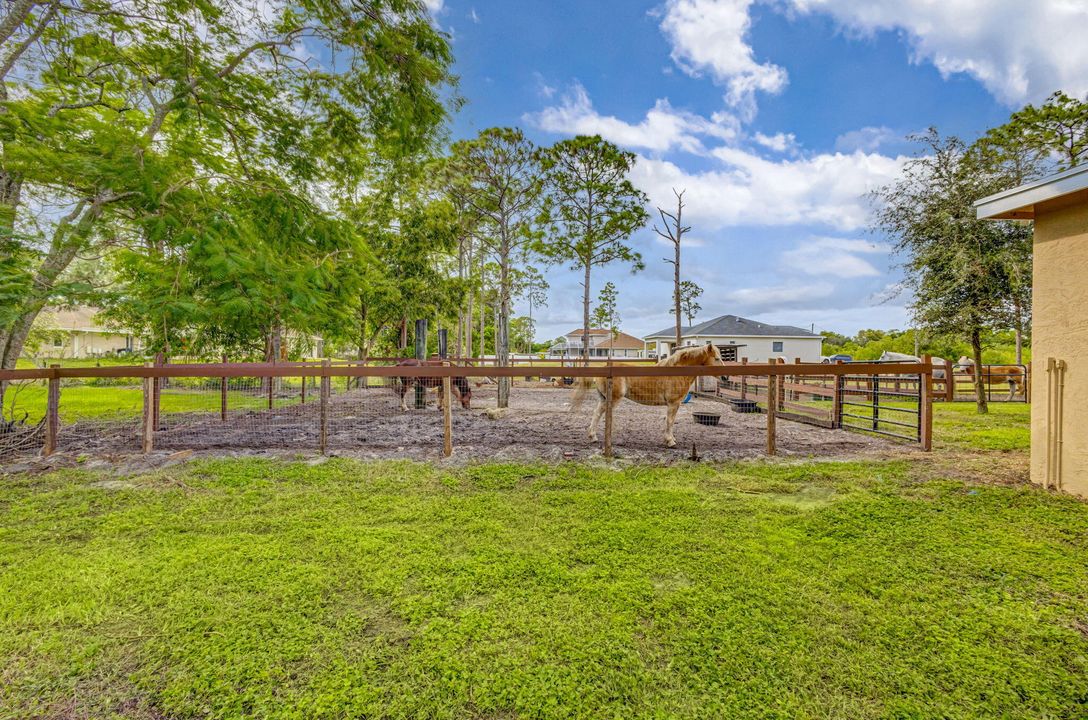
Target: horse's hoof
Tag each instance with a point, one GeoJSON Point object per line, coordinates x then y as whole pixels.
{"type": "Point", "coordinates": [670, 443]}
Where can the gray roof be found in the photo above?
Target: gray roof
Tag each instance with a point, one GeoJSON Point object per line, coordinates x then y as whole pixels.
{"type": "Point", "coordinates": [733, 326]}
{"type": "Point", "coordinates": [1019, 203]}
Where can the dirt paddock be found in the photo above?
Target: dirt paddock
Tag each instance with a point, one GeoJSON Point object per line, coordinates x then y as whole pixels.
{"type": "Point", "coordinates": [539, 424]}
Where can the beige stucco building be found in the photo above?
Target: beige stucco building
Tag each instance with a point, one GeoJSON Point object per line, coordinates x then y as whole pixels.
{"type": "Point", "coordinates": [1059, 328]}
{"type": "Point", "coordinates": [737, 337]}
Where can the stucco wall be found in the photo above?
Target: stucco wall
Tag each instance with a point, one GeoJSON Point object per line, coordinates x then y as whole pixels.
{"type": "Point", "coordinates": [1060, 331]}
{"type": "Point", "coordinates": [761, 349]}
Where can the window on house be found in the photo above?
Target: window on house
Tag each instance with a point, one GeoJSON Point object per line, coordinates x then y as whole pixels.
{"type": "Point", "coordinates": [776, 346]}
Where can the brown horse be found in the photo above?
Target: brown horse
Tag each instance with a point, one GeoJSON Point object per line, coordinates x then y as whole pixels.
{"type": "Point", "coordinates": [1014, 375]}
{"type": "Point", "coordinates": [459, 385]}
{"type": "Point", "coordinates": [669, 391]}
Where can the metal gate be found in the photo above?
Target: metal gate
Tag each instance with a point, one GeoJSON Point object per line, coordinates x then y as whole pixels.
{"type": "Point", "coordinates": [882, 404]}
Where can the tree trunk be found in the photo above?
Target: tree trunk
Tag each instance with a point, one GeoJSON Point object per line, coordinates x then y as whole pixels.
{"type": "Point", "coordinates": [676, 282]}
{"type": "Point", "coordinates": [585, 317]}
{"type": "Point", "coordinates": [502, 326]}
{"type": "Point", "coordinates": [469, 320]}
{"type": "Point", "coordinates": [980, 387]}
{"type": "Point", "coordinates": [362, 330]}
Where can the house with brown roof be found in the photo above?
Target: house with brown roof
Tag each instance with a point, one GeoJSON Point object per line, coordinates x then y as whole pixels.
{"type": "Point", "coordinates": [602, 343]}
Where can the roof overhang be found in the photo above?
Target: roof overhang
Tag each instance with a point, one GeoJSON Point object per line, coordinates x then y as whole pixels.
{"type": "Point", "coordinates": [1020, 202]}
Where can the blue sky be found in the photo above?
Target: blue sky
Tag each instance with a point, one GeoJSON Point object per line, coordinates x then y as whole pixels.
{"type": "Point", "coordinates": [777, 117]}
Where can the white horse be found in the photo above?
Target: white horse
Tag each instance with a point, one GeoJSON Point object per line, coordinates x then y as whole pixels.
{"type": "Point", "coordinates": [940, 365]}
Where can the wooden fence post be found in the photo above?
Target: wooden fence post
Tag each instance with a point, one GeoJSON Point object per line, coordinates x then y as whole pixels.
{"type": "Point", "coordinates": [836, 398]}
{"type": "Point", "coordinates": [447, 417]}
{"type": "Point", "coordinates": [743, 381]}
{"type": "Point", "coordinates": [271, 384]}
{"type": "Point", "coordinates": [607, 449]}
{"type": "Point", "coordinates": [781, 384]}
{"type": "Point", "coordinates": [925, 430]}
{"type": "Point", "coordinates": [772, 393]}
{"type": "Point", "coordinates": [52, 413]}
{"type": "Point", "coordinates": [949, 383]}
{"type": "Point", "coordinates": [223, 394]}
{"type": "Point", "coordinates": [147, 440]}
{"type": "Point", "coordinates": [323, 433]}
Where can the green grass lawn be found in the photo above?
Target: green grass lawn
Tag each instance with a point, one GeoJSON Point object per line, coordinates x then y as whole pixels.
{"type": "Point", "coordinates": [84, 402]}
{"type": "Point", "coordinates": [1007, 427]}
{"type": "Point", "coordinates": [252, 588]}
{"type": "Point", "coordinates": [29, 363]}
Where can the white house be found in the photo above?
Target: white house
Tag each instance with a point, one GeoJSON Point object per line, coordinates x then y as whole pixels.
{"type": "Point", "coordinates": [602, 343]}
{"type": "Point", "coordinates": [738, 337]}
{"type": "Point", "coordinates": [76, 333]}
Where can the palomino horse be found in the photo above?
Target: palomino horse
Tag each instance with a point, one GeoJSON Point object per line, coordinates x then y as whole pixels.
{"type": "Point", "coordinates": [459, 385]}
{"type": "Point", "coordinates": [1014, 375]}
{"type": "Point", "coordinates": [649, 390]}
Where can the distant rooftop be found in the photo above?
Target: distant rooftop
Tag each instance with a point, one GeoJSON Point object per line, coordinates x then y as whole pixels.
{"type": "Point", "coordinates": [733, 326]}
{"type": "Point", "coordinates": [602, 338]}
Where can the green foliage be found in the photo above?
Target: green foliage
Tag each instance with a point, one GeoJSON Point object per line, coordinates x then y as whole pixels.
{"type": "Point", "coordinates": [495, 177]}
{"type": "Point", "coordinates": [198, 139]}
{"type": "Point", "coordinates": [606, 315]}
{"type": "Point", "coordinates": [962, 272]}
{"type": "Point", "coordinates": [590, 209]}
{"type": "Point", "coordinates": [689, 300]}
{"type": "Point", "coordinates": [255, 588]}
{"type": "Point", "coordinates": [1056, 132]}
{"type": "Point", "coordinates": [998, 346]}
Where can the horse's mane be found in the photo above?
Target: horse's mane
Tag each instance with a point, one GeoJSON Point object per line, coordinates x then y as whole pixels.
{"type": "Point", "coordinates": [692, 355]}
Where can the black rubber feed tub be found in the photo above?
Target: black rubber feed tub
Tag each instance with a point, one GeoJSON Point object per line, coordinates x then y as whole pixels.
{"type": "Point", "coordinates": [705, 418]}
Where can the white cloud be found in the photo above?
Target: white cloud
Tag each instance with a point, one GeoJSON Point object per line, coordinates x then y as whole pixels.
{"type": "Point", "coordinates": [826, 189]}
{"type": "Point", "coordinates": [794, 295]}
{"type": "Point", "coordinates": [543, 89]}
{"type": "Point", "coordinates": [710, 36]}
{"type": "Point", "coordinates": [473, 16]}
{"type": "Point", "coordinates": [866, 139]}
{"type": "Point", "coordinates": [434, 6]}
{"type": "Point", "coordinates": [1019, 51]}
{"type": "Point", "coordinates": [779, 142]}
{"type": "Point", "coordinates": [685, 242]}
{"type": "Point", "coordinates": [664, 127]}
{"type": "Point", "coordinates": [834, 257]}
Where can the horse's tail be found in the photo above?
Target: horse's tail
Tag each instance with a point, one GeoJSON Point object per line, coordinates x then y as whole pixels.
{"type": "Point", "coordinates": [581, 386]}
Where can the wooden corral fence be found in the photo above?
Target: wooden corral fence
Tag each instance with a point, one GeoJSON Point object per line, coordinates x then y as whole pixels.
{"type": "Point", "coordinates": [868, 397]}
{"type": "Point", "coordinates": [961, 388]}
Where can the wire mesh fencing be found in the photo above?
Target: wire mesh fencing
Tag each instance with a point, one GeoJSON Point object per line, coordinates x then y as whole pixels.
{"type": "Point", "coordinates": [22, 416]}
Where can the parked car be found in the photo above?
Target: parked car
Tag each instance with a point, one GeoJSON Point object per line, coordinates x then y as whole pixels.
{"type": "Point", "coordinates": [831, 359]}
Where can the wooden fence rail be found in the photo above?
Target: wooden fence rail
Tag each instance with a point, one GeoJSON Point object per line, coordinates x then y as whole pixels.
{"type": "Point", "coordinates": [780, 384]}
